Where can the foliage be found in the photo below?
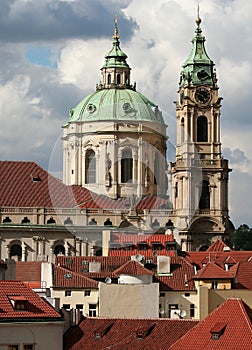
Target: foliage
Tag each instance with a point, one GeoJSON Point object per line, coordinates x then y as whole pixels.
{"type": "Point", "coordinates": [241, 239]}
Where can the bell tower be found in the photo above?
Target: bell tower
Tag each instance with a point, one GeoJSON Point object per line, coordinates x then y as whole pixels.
{"type": "Point", "coordinates": [199, 176]}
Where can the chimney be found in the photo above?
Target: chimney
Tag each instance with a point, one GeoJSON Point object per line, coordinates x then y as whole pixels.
{"type": "Point", "coordinates": [163, 264]}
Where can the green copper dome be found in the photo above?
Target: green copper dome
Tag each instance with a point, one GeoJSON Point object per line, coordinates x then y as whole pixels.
{"type": "Point", "coordinates": [115, 104]}
{"type": "Point", "coordinates": [198, 68]}
{"type": "Point", "coordinates": [115, 98]}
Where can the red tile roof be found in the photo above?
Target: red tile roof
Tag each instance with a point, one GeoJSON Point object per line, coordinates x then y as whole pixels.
{"type": "Point", "coordinates": [118, 334]}
{"type": "Point", "coordinates": [26, 184]}
{"type": "Point", "coordinates": [220, 258]}
{"type": "Point", "coordinates": [243, 275]}
{"type": "Point", "coordinates": [218, 246]}
{"type": "Point", "coordinates": [80, 264]}
{"type": "Point", "coordinates": [179, 279]}
{"type": "Point", "coordinates": [231, 322]}
{"type": "Point", "coordinates": [129, 244]}
{"type": "Point", "coordinates": [28, 271]}
{"type": "Point", "coordinates": [18, 188]}
{"type": "Point", "coordinates": [133, 268]}
{"type": "Point", "coordinates": [63, 278]}
{"type": "Point", "coordinates": [35, 307]}
{"type": "Point", "coordinates": [213, 271]}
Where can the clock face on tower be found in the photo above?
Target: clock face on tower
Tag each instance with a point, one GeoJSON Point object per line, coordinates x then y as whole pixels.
{"type": "Point", "coordinates": [202, 95]}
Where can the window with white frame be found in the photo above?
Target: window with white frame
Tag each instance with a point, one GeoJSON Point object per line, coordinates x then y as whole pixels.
{"type": "Point", "coordinates": [92, 310]}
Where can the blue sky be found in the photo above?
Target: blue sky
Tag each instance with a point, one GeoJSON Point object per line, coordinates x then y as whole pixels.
{"type": "Point", "coordinates": [42, 56]}
{"type": "Point", "coordinates": [51, 52]}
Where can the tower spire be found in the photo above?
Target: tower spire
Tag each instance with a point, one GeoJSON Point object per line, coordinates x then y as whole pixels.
{"type": "Point", "coordinates": [116, 36]}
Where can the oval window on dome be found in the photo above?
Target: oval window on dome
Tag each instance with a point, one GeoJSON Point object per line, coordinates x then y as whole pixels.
{"type": "Point", "coordinates": [91, 108]}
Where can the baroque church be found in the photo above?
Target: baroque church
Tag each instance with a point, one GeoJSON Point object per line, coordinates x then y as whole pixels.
{"type": "Point", "coordinates": [116, 178]}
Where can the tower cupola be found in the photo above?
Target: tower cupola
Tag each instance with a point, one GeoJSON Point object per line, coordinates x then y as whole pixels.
{"type": "Point", "coordinates": [198, 68]}
{"type": "Point", "coordinates": [116, 71]}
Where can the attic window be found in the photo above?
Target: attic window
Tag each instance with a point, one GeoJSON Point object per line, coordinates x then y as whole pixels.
{"type": "Point", "coordinates": [157, 245]}
{"type": "Point", "coordinates": [142, 245]}
{"type": "Point", "coordinates": [102, 330]}
{"type": "Point", "coordinates": [19, 303]}
{"type": "Point", "coordinates": [144, 331]}
{"type": "Point", "coordinates": [36, 178]}
{"type": "Point", "coordinates": [68, 275]}
{"type": "Point", "coordinates": [217, 330]}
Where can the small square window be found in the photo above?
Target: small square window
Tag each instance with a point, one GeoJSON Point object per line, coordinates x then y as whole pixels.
{"type": "Point", "coordinates": [79, 306]}
{"type": "Point", "coordinates": [66, 306]}
{"type": "Point", "coordinates": [13, 347]}
{"type": "Point", "coordinates": [68, 293]}
{"type": "Point", "coordinates": [87, 293]}
{"type": "Point", "coordinates": [187, 294]}
{"type": "Point", "coordinates": [162, 294]}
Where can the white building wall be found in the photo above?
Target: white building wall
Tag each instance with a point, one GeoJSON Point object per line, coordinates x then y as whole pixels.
{"type": "Point", "coordinates": [42, 335]}
{"type": "Point", "coordinates": [129, 300]}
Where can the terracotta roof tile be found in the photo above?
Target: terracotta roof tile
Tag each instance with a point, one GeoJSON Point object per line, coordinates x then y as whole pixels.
{"type": "Point", "coordinates": [213, 271]}
{"type": "Point", "coordinates": [63, 278]}
{"type": "Point", "coordinates": [218, 246]}
{"type": "Point", "coordinates": [26, 184]}
{"type": "Point", "coordinates": [128, 334]}
{"type": "Point", "coordinates": [231, 323]}
{"type": "Point", "coordinates": [132, 268]}
{"type": "Point", "coordinates": [35, 307]}
{"type": "Point", "coordinates": [28, 271]}
{"type": "Point", "coordinates": [180, 277]}
{"type": "Point", "coordinates": [81, 265]}
{"type": "Point", "coordinates": [145, 244]}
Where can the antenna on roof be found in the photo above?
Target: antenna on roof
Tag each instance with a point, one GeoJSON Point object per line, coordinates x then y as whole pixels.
{"type": "Point", "coordinates": [139, 257]}
{"type": "Point", "coordinates": [108, 280]}
{"type": "Point", "coordinates": [182, 313]}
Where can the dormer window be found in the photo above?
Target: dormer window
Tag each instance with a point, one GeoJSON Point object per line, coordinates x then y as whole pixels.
{"type": "Point", "coordinates": [217, 330]}
{"type": "Point", "coordinates": [19, 303]}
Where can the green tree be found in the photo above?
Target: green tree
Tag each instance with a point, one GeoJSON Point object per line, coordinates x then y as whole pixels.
{"type": "Point", "coordinates": [241, 239]}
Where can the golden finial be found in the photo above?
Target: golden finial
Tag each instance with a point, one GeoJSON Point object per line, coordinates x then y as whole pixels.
{"type": "Point", "coordinates": [116, 36]}
{"type": "Point", "coordinates": [198, 19]}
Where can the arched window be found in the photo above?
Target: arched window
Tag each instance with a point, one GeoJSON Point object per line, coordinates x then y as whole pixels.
{"type": "Point", "coordinates": [51, 221]}
{"type": "Point", "coordinates": [7, 220]}
{"type": "Point", "coordinates": [204, 202]}
{"type": "Point", "coordinates": [109, 79]}
{"type": "Point", "coordinates": [118, 79]}
{"type": "Point", "coordinates": [90, 167]}
{"type": "Point", "coordinates": [16, 250]}
{"type": "Point", "coordinates": [202, 132]}
{"type": "Point", "coordinates": [25, 220]}
{"type": "Point", "coordinates": [68, 221]}
{"type": "Point", "coordinates": [126, 166]}
{"type": "Point", "coordinates": [59, 249]}
{"type": "Point", "coordinates": [182, 124]}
